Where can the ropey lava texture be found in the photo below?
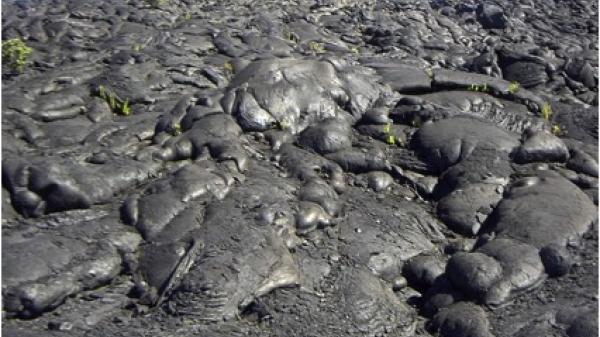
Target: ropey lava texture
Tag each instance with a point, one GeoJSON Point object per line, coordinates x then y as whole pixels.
{"type": "Point", "coordinates": [300, 168]}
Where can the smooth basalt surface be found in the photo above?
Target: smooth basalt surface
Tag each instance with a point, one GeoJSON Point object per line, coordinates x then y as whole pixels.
{"type": "Point", "coordinates": [301, 168]}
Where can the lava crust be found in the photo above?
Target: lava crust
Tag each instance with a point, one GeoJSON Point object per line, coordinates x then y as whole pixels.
{"type": "Point", "coordinates": [388, 168]}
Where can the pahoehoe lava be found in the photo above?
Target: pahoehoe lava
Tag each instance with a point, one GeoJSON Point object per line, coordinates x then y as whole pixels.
{"type": "Point", "coordinates": [387, 168]}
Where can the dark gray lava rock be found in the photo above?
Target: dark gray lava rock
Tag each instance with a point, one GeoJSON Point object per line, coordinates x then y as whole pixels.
{"type": "Point", "coordinates": [440, 295]}
{"type": "Point", "coordinates": [491, 16]}
{"type": "Point", "coordinates": [541, 146]}
{"type": "Point", "coordinates": [485, 165]}
{"type": "Point", "coordinates": [379, 181]}
{"type": "Point", "coordinates": [161, 265]}
{"type": "Point", "coordinates": [579, 122]}
{"type": "Point", "coordinates": [32, 258]}
{"type": "Point", "coordinates": [446, 142]}
{"type": "Point", "coordinates": [357, 299]}
{"type": "Point", "coordinates": [543, 209]}
{"type": "Point", "coordinates": [330, 135]}
{"type": "Point", "coordinates": [58, 184]}
{"type": "Point", "coordinates": [526, 73]}
{"type": "Point", "coordinates": [321, 193]}
{"type": "Point", "coordinates": [557, 259]}
{"type": "Point", "coordinates": [451, 79]}
{"type": "Point", "coordinates": [461, 319]}
{"type": "Point", "coordinates": [406, 233]}
{"type": "Point", "coordinates": [306, 166]}
{"type": "Point", "coordinates": [165, 199]}
{"type": "Point", "coordinates": [402, 77]}
{"type": "Point", "coordinates": [473, 273]}
{"type": "Point", "coordinates": [245, 143]}
{"type": "Point", "coordinates": [295, 93]}
{"type": "Point", "coordinates": [522, 269]}
{"type": "Point", "coordinates": [309, 216]}
{"type": "Point", "coordinates": [41, 283]}
{"type": "Point", "coordinates": [214, 134]}
{"type": "Point", "coordinates": [373, 308]}
{"type": "Point", "coordinates": [582, 162]}
{"type": "Point", "coordinates": [361, 160]}
{"type": "Point", "coordinates": [584, 325]}
{"type": "Point", "coordinates": [422, 270]}
{"type": "Point", "coordinates": [496, 271]}
{"type": "Point", "coordinates": [581, 71]}
{"type": "Point", "coordinates": [241, 259]}
{"type": "Point", "coordinates": [465, 209]}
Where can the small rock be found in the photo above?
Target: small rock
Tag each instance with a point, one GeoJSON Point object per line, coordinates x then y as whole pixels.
{"type": "Point", "coordinates": [309, 216]}
{"type": "Point", "coordinates": [556, 259]}
{"type": "Point", "coordinates": [462, 319]}
{"type": "Point", "coordinates": [441, 295]}
{"type": "Point", "coordinates": [329, 136]}
{"type": "Point", "coordinates": [461, 245]}
{"type": "Point", "coordinates": [399, 283]}
{"type": "Point", "coordinates": [584, 325]}
{"type": "Point", "coordinates": [491, 16]}
{"type": "Point", "coordinates": [379, 180]}
{"type": "Point", "coordinates": [582, 162]}
{"type": "Point", "coordinates": [473, 273]}
{"type": "Point", "coordinates": [60, 326]}
{"type": "Point", "coordinates": [422, 270]}
{"type": "Point", "coordinates": [542, 146]}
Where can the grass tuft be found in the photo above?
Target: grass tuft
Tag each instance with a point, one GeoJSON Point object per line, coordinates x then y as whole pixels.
{"type": "Point", "coordinates": [177, 129]}
{"type": "Point", "coordinates": [513, 87]}
{"type": "Point", "coordinates": [429, 73]}
{"type": "Point", "coordinates": [229, 67]}
{"type": "Point", "coordinates": [116, 105]}
{"type": "Point", "coordinates": [316, 47]}
{"type": "Point", "coordinates": [15, 54]}
{"type": "Point", "coordinates": [291, 36]}
{"type": "Point", "coordinates": [547, 111]}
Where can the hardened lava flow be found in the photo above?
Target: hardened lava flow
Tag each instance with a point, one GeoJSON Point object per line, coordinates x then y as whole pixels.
{"type": "Point", "coordinates": [319, 168]}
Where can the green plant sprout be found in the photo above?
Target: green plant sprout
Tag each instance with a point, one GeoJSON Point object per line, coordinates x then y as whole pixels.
{"type": "Point", "coordinates": [513, 87]}
{"type": "Point", "coordinates": [317, 47]}
{"type": "Point", "coordinates": [15, 53]}
{"type": "Point", "coordinates": [387, 128]}
{"type": "Point", "coordinates": [355, 50]}
{"type": "Point", "coordinates": [117, 106]}
{"type": "Point", "coordinates": [125, 108]}
{"type": "Point", "coordinates": [122, 108]}
{"type": "Point", "coordinates": [556, 130]}
{"type": "Point", "coordinates": [477, 87]}
{"type": "Point", "coordinates": [177, 129]}
{"type": "Point", "coordinates": [390, 138]}
{"type": "Point", "coordinates": [187, 16]}
{"type": "Point", "coordinates": [137, 47]}
{"type": "Point", "coordinates": [102, 92]}
{"type": "Point", "coordinates": [283, 125]}
{"type": "Point", "coordinates": [429, 72]}
{"type": "Point", "coordinates": [112, 99]}
{"type": "Point", "coordinates": [291, 36]}
{"type": "Point", "coordinates": [546, 111]}
{"type": "Point", "coordinates": [229, 67]}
